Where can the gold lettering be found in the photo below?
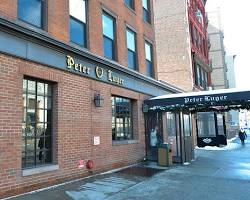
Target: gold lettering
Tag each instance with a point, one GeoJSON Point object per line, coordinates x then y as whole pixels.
{"type": "Point", "coordinates": [88, 70]}
{"type": "Point", "coordinates": [80, 68]}
{"type": "Point", "coordinates": [70, 62]}
{"type": "Point", "coordinates": [76, 67]}
{"type": "Point", "coordinates": [110, 75]}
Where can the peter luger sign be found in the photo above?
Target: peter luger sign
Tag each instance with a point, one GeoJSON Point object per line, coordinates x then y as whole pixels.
{"type": "Point", "coordinates": [99, 71]}
{"type": "Point", "coordinates": [204, 99]}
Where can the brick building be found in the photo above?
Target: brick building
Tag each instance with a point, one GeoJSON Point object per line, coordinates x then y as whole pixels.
{"type": "Point", "coordinates": [183, 60]}
{"type": "Point", "coordinates": [182, 43]}
{"type": "Point", "coordinates": [73, 77]}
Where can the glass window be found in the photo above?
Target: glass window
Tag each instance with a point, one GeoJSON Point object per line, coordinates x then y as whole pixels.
{"type": "Point", "coordinates": [206, 124]}
{"type": "Point", "coordinates": [187, 125]}
{"type": "Point", "coordinates": [130, 3]}
{"type": "Point", "coordinates": [78, 22]}
{"type": "Point", "coordinates": [173, 132]}
{"type": "Point", "coordinates": [149, 63]}
{"type": "Point", "coordinates": [36, 126]}
{"type": "Point", "coordinates": [146, 10]}
{"type": "Point", "coordinates": [108, 25]}
{"type": "Point", "coordinates": [31, 11]}
{"type": "Point", "coordinates": [121, 118]}
{"type": "Point", "coordinates": [131, 45]}
{"type": "Point", "coordinates": [220, 124]}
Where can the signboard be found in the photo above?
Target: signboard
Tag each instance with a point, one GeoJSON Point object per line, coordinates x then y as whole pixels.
{"type": "Point", "coordinates": [97, 140]}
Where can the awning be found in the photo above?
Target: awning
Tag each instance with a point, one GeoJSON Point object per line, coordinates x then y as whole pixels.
{"type": "Point", "coordinates": [213, 100]}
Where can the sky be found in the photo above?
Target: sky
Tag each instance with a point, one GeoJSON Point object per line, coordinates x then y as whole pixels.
{"type": "Point", "coordinates": [235, 20]}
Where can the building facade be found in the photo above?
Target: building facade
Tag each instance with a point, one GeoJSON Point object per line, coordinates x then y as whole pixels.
{"type": "Point", "coordinates": [182, 43]}
{"type": "Point", "coordinates": [73, 77]}
{"type": "Point", "coordinates": [217, 51]}
{"type": "Point", "coordinates": [234, 122]}
{"type": "Point", "coordinates": [183, 52]}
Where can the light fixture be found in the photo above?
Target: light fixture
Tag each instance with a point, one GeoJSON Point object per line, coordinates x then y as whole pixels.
{"type": "Point", "coordinates": [98, 100]}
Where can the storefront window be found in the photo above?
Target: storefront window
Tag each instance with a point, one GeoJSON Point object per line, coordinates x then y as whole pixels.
{"type": "Point", "coordinates": [37, 123]}
{"type": "Point", "coordinates": [206, 124]}
{"type": "Point", "coordinates": [121, 118]}
{"type": "Point", "coordinates": [220, 124]}
{"type": "Point", "coordinates": [187, 126]}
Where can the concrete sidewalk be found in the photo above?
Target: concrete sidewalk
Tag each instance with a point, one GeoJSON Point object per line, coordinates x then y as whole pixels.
{"type": "Point", "coordinates": [218, 174]}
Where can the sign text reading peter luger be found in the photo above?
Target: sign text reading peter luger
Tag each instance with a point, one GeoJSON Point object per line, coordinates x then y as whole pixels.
{"type": "Point", "coordinates": [78, 67]}
{"type": "Point", "coordinates": [205, 99]}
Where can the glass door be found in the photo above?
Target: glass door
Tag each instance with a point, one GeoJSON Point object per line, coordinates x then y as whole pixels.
{"type": "Point", "coordinates": [173, 133]}
{"type": "Point", "coordinates": [187, 134]}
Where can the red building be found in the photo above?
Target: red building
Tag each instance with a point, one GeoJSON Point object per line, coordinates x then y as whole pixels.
{"type": "Point", "coordinates": [198, 24]}
{"type": "Point", "coordinates": [182, 43]}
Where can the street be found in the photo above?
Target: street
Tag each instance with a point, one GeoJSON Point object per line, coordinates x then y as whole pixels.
{"type": "Point", "coordinates": [217, 173]}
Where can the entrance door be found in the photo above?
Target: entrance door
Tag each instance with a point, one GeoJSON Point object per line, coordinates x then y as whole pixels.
{"type": "Point", "coordinates": [188, 141]}
{"type": "Point", "coordinates": [174, 135]}
{"type": "Point", "coordinates": [154, 134]}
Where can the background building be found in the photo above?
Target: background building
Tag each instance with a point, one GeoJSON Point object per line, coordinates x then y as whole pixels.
{"type": "Point", "coordinates": [74, 75]}
{"type": "Point", "coordinates": [223, 75]}
{"type": "Point", "coordinates": [183, 51]}
{"type": "Point", "coordinates": [182, 43]}
{"type": "Point", "coordinates": [217, 51]}
{"type": "Point", "coordinates": [232, 84]}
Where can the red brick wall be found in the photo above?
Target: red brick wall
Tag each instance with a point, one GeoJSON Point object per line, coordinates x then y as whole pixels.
{"type": "Point", "coordinates": [8, 8]}
{"type": "Point", "coordinates": [76, 122]}
{"type": "Point", "coordinates": [173, 43]}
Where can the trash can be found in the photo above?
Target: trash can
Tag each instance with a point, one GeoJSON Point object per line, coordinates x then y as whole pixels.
{"type": "Point", "coordinates": [164, 155]}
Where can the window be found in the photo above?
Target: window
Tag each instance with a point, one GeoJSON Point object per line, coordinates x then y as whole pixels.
{"type": "Point", "coordinates": [121, 118]}
{"type": "Point", "coordinates": [146, 10]}
{"type": "Point", "coordinates": [77, 10]}
{"type": "Point", "coordinates": [187, 125]}
{"type": "Point", "coordinates": [206, 124]}
{"type": "Point", "coordinates": [201, 76]}
{"type": "Point", "coordinates": [31, 11]}
{"type": "Point", "coordinates": [130, 3]}
{"type": "Point", "coordinates": [131, 45]}
{"type": "Point", "coordinates": [149, 63]}
{"type": "Point", "coordinates": [36, 123]}
{"type": "Point", "coordinates": [108, 26]}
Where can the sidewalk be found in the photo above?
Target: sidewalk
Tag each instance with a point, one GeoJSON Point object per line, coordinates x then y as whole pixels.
{"type": "Point", "coordinates": [218, 174]}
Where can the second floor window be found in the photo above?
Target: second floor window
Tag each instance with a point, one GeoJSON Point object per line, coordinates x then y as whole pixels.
{"type": "Point", "coordinates": [149, 61]}
{"type": "Point", "coordinates": [130, 3]}
{"type": "Point", "coordinates": [32, 11]}
{"type": "Point", "coordinates": [146, 10]}
{"type": "Point", "coordinates": [78, 22]}
{"type": "Point", "coordinates": [131, 45]}
{"type": "Point", "coordinates": [108, 25]}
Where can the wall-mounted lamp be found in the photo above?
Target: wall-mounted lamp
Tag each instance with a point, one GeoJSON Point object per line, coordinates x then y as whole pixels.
{"type": "Point", "coordinates": [98, 100]}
